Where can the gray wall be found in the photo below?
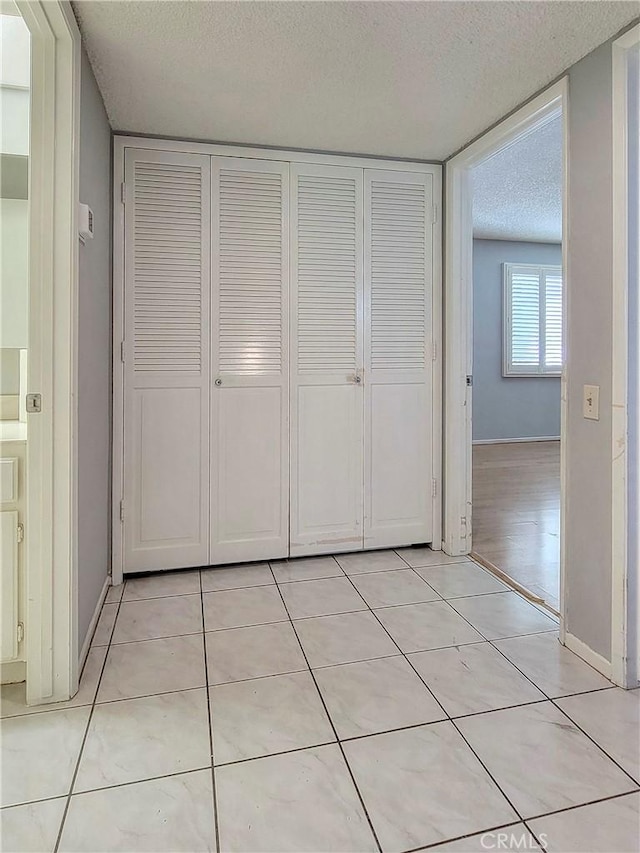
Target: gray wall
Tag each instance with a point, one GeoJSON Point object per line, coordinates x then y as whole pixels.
{"type": "Point", "coordinates": [94, 355]}
{"type": "Point", "coordinates": [589, 355]}
{"type": "Point", "coordinates": [510, 407]}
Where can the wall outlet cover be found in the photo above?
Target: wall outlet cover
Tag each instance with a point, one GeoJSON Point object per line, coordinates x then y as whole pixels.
{"type": "Point", "coordinates": [591, 402]}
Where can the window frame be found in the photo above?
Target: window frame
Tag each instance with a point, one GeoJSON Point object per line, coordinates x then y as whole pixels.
{"type": "Point", "coordinates": [509, 371]}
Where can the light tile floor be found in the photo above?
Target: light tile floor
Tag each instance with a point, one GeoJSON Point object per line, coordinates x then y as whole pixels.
{"type": "Point", "coordinates": [390, 701]}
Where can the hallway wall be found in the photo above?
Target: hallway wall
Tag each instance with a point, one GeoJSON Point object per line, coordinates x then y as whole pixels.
{"type": "Point", "coordinates": [588, 528]}
{"type": "Point", "coordinates": [94, 355]}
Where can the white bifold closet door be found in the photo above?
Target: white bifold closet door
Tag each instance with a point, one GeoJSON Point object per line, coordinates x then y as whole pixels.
{"type": "Point", "coordinates": [398, 219]}
{"type": "Point", "coordinates": [250, 365]}
{"type": "Point", "coordinates": [166, 360]}
{"type": "Point", "coordinates": [327, 405]}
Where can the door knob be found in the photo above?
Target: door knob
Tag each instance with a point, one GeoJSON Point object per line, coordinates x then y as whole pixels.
{"type": "Point", "coordinates": [218, 382]}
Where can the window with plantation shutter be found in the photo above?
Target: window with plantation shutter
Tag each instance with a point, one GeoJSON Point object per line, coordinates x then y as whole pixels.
{"type": "Point", "coordinates": [533, 322]}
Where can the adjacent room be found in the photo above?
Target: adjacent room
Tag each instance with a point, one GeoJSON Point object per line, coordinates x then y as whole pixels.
{"type": "Point", "coordinates": [518, 356]}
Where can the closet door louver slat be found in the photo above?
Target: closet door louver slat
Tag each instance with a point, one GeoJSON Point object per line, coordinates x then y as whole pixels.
{"type": "Point", "coordinates": [166, 354]}
{"type": "Point", "coordinates": [249, 483]}
{"type": "Point", "coordinates": [398, 365]}
{"type": "Point", "coordinates": [327, 281]}
{"type": "Point", "coordinates": [326, 401]}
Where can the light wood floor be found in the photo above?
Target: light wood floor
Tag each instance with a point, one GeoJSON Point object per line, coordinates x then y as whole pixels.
{"type": "Point", "coordinates": [516, 512]}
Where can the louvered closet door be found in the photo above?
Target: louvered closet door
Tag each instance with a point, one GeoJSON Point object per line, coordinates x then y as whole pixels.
{"type": "Point", "coordinates": [327, 404]}
{"type": "Point", "coordinates": [249, 402]}
{"type": "Point", "coordinates": [166, 352]}
{"type": "Point", "coordinates": [398, 321]}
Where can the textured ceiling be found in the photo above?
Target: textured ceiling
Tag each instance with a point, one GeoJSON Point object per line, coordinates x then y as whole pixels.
{"type": "Point", "coordinates": [402, 79]}
{"type": "Point", "coordinates": [517, 194]}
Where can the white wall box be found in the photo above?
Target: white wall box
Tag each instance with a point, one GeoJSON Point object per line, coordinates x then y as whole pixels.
{"type": "Point", "coordinates": [277, 321]}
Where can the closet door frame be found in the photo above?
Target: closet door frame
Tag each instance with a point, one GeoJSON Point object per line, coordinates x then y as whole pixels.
{"type": "Point", "coordinates": [120, 144]}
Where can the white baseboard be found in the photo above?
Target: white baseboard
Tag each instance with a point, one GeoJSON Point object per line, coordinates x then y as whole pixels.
{"type": "Point", "coordinates": [92, 625]}
{"type": "Point", "coordinates": [516, 440]}
{"type": "Point", "coordinates": [602, 665]}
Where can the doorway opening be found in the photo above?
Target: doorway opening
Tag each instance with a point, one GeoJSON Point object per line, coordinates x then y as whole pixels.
{"type": "Point", "coordinates": [521, 348]}
{"type": "Point", "coordinates": [518, 356]}
{"type": "Point", "coordinates": [40, 132]}
{"type": "Point", "coordinates": [15, 84]}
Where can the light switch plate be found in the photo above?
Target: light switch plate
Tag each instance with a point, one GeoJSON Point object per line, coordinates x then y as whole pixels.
{"type": "Point", "coordinates": [591, 402]}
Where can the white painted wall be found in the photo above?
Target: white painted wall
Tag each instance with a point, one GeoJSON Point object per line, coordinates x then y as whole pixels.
{"type": "Point", "coordinates": [15, 59]}
{"type": "Point", "coordinates": [14, 262]}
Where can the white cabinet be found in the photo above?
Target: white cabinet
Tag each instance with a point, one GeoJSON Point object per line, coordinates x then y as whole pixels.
{"type": "Point", "coordinates": [9, 574]}
{"type": "Point", "coordinates": [278, 353]}
{"type": "Point", "coordinates": [12, 592]}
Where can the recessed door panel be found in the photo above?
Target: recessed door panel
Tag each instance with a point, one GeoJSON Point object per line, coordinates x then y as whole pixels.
{"type": "Point", "coordinates": [168, 479]}
{"type": "Point", "coordinates": [400, 438]}
{"type": "Point", "coordinates": [248, 470]}
{"type": "Point", "coordinates": [329, 467]}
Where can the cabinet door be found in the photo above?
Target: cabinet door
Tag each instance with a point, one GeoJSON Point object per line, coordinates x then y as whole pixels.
{"type": "Point", "coordinates": [327, 405]}
{"type": "Point", "coordinates": [398, 358]}
{"type": "Point", "coordinates": [166, 355]}
{"type": "Point", "coordinates": [9, 583]}
{"type": "Point", "coordinates": [249, 401]}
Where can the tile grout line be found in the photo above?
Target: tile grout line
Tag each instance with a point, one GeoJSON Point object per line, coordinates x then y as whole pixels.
{"type": "Point", "coordinates": [449, 718]}
{"type": "Point", "coordinates": [551, 699]}
{"type": "Point", "coordinates": [400, 652]}
{"type": "Point", "coordinates": [214, 803]}
{"type": "Point", "coordinates": [485, 639]}
{"type": "Point", "coordinates": [328, 715]}
{"type": "Point", "coordinates": [88, 725]}
{"type": "Point", "coordinates": [127, 784]}
{"type": "Point", "coordinates": [547, 698]}
{"type": "Point", "coordinates": [464, 837]}
{"type": "Point", "coordinates": [635, 790]}
{"type": "Point", "coordinates": [595, 742]}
